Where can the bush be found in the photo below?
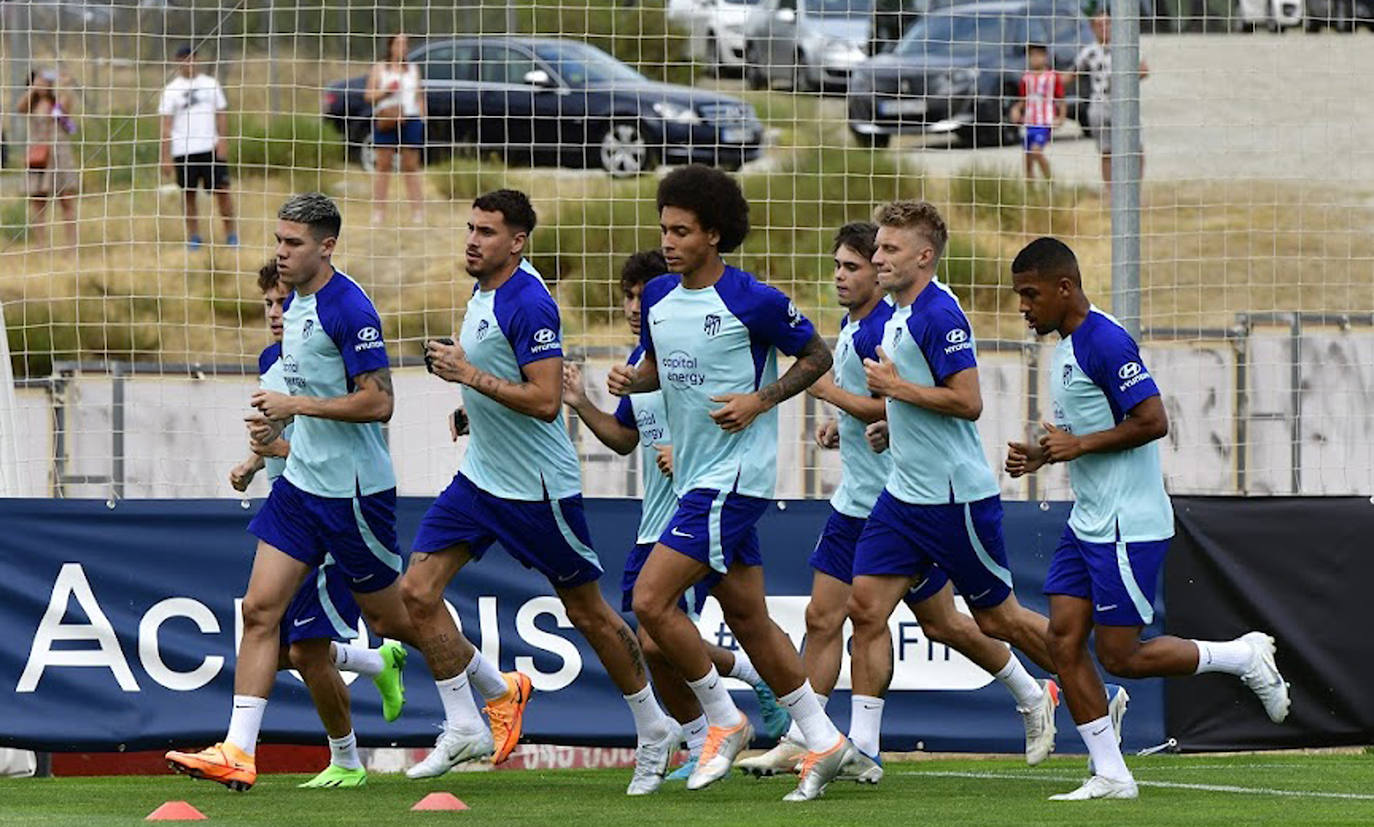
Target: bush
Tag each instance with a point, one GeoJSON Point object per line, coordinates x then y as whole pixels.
{"type": "Point", "coordinates": [638, 34]}
{"type": "Point", "coordinates": [284, 143]}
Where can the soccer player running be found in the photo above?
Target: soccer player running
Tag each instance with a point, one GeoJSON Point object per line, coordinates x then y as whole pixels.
{"type": "Point", "coordinates": [865, 472]}
{"type": "Point", "coordinates": [1108, 417]}
{"type": "Point", "coordinates": [323, 614]}
{"type": "Point", "coordinates": [711, 332]}
{"type": "Point", "coordinates": [520, 485]}
{"type": "Point", "coordinates": [640, 421]}
{"type": "Point", "coordinates": [940, 512]}
{"type": "Point", "coordinates": [337, 494]}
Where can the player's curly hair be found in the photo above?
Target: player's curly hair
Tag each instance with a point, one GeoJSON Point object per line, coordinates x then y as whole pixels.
{"type": "Point", "coordinates": [514, 206]}
{"type": "Point", "coordinates": [1048, 258]}
{"type": "Point", "coordinates": [267, 276]}
{"type": "Point", "coordinates": [713, 197]}
{"type": "Point", "coordinates": [642, 266]}
{"type": "Point", "coordinates": [859, 236]}
{"type": "Point", "coordinates": [918, 215]}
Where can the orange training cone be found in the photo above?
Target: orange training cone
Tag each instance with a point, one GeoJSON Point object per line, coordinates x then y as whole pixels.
{"type": "Point", "coordinates": [176, 811]}
{"type": "Point", "coordinates": [439, 801]}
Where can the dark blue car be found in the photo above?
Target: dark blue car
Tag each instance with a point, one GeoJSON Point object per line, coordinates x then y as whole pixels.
{"type": "Point", "coordinates": [548, 100]}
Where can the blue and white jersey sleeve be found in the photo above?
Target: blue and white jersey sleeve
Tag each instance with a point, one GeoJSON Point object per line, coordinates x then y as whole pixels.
{"type": "Point", "coordinates": [353, 324]}
{"type": "Point", "coordinates": [268, 357]}
{"type": "Point", "coordinates": [653, 293]}
{"type": "Point", "coordinates": [532, 326]}
{"type": "Point", "coordinates": [1112, 361]}
{"type": "Point", "coordinates": [271, 378]}
{"type": "Point", "coordinates": [865, 473]}
{"type": "Point", "coordinates": [946, 340]}
{"type": "Point", "coordinates": [770, 316]}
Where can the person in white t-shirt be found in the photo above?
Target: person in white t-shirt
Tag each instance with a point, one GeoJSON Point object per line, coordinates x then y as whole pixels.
{"type": "Point", "coordinates": [1095, 61]}
{"type": "Point", "coordinates": [195, 150]}
{"type": "Point", "coordinates": [398, 125]}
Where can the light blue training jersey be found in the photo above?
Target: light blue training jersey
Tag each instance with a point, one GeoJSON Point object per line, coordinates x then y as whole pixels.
{"type": "Point", "coordinates": [712, 341]}
{"type": "Point", "coordinates": [645, 413]}
{"type": "Point", "coordinates": [512, 455]}
{"type": "Point", "coordinates": [864, 473]}
{"type": "Point", "coordinates": [330, 337]}
{"type": "Point", "coordinates": [270, 378]}
{"type": "Point", "coordinates": [1098, 377]}
{"type": "Point", "coordinates": [935, 458]}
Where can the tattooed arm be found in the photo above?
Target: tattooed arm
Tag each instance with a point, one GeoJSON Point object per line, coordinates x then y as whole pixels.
{"type": "Point", "coordinates": [539, 396]}
{"type": "Point", "coordinates": [740, 409]}
{"type": "Point", "coordinates": [372, 400]}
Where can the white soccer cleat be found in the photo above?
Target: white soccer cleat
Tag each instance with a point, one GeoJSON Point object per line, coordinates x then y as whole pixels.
{"type": "Point", "coordinates": [722, 745]}
{"type": "Point", "coordinates": [451, 749]}
{"type": "Point", "coordinates": [1263, 677]}
{"type": "Point", "coordinates": [1100, 786]}
{"type": "Point", "coordinates": [1039, 721]}
{"type": "Point", "coordinates": [651, 762]}
{"type": "Point", "coordinates": [1117, 699]}
{"type": "Point", "coordinates": [820, 768]}
{"type": "Point", "coordinates": [861, 769]}
{"type": "Point", "coordinates": [786, 757]}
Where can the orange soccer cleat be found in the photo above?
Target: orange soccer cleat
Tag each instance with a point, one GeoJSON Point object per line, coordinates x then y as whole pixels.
{"type": "Point", "coordinates": [223, 762]}
{"type": "Point", "coordinates": [507, 715]}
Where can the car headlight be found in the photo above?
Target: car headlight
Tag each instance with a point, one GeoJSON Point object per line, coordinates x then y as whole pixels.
{"type": "Point", "coordinates": [675, 112]}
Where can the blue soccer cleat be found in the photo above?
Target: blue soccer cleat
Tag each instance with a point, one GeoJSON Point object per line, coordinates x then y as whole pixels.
{"type": "Point", "coordinates": [775, 718]}
{"type": "Point", "coordinates": [683, 772]}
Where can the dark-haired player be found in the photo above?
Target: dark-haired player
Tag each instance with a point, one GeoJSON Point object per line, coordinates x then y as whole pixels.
{"type": "Point", "coordinates": [1108, 417]}
{"type": "Point", "coordinates": [712, 333]}
{"type": "Point", "coordinates": [519, 485]}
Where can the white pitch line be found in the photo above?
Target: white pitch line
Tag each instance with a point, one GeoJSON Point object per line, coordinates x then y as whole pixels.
{"type": "Point", "coordinates": [1177, 785]}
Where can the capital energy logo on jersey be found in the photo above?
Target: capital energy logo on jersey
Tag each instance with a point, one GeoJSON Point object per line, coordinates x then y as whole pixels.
{"type": "Point", "coordinates": [650, 429]}
{"type": "Point", "coordinates": [545, 338]}
{"type": "Point", "coordinates": [682, 371]}
{"type": "Point", "coordinates": [291, 373]}
{"type": "Point", "coordinates": [958, 339]}
{"type": "Point", "coordinates": [368, 338]}
{"type": "Point", "coordinates": [1132, 373]}
{"type": "Point", "coordinates": [712, 324]}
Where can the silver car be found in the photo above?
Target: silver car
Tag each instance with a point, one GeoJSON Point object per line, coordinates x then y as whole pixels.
{"type": "Point", "coordinates": [809, 44]}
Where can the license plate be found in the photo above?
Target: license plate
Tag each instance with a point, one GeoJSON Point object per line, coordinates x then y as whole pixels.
{"type": "Point", "coordinates": [737, 135]}
{"type": "Point", "coordinates": [902, 107]}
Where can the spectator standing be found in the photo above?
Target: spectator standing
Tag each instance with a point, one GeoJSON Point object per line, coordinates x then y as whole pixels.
{"type": "Point", "coordinates": [398, 113]}
{"type": "Point", "coordinates": [1040, 109]}
{"type": "Point", "coordinates": [49, 157]}
{"type": "Point", "coordinates": [1095, 61]}
{"type": "Point", "coordinates": [195, 149]}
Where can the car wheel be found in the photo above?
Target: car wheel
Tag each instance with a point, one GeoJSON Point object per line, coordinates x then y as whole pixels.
{"type": "Point", "coordinates": [754, 75]}
{"type": "Point", "coordinates": [801, 78]}
{"type": "Point", "coordinates": [623, 151]}
{"type": "Point", "coordinates": [876, 140]}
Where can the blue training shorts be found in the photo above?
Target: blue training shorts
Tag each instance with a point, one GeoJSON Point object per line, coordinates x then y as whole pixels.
{"type": "Point", "coordinates": [410, 133]}
{"type": "Point", "coordinates": [1119, 578]}
{"type": "Point", "coordinates": [716, 528]}
{"type": "Point", "coordinates": [964, 540]}
{"type": "Point", "coordinates": [1037, 137]}
{"type": "Point", "coordinates": [549, 536]}
{"type": "Point", "coordinates": [323, 608]}
{"type": "Point", "coordinates": [692, 601]}
{"type": "Point", "coordinates": [358, 532]}
{"type": "Point", "coordinates": [834, 552]}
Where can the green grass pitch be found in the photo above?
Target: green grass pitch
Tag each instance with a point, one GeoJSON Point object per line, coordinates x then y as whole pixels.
{"type": "Point", "coordinates": [1243, 789]}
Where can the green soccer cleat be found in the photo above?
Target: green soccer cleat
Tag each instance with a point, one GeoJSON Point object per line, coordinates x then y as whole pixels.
{"type": "Point", "coordinates": [683, 772]}
{"type": "Point", "coordinates": [775, 718]}
{"type": "Point", "coordinates": [391, 683]}
{"type": "Point", "coordinates": [336, 776]}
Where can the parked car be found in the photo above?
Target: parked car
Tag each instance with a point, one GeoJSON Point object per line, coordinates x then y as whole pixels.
{"type": "Point", "coordinates": [557, 101]}
{"type": "Point", "coordinates": [1341, 15]}
{"type": "Point", "coordinates": [809, 44]}
{"type": "Point", "coordinates": [1274, 15]}
{"type": "Point", "coordinates": [716, 30]}
{"type": "Point", "coordinates": [959, 70]}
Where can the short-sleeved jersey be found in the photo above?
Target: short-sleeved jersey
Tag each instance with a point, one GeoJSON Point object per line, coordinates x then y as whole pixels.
{"type": "Point", "coordinates": [1098, 378]}
{"type": "Point", "coordinates": [512, 455]}
{"type": "Point", "coordinates": [1096, 60]}
{"type": "Point", "coordinates": [645, 413]}
{"type": "Point", "coordinates": [330, 337]}
{"type": "Point", "coordinates": [717, 340]}
{"type": "Point", "coordinates": [935, 458]}
{"type": "Point", "coordinates": [270, 378]}
{"type": "Point", "coordinates": [864, 472]}
{"type": "Point", "coordinates": [1039, 92]}
{"type": "Point", "coordinates": [193, 104]}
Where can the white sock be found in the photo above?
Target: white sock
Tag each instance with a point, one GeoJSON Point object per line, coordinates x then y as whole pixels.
{"type": "Point", "coordinates": [245, 721]}
{"type": "Point", "coordinates": [1105, 751]}
{"type": "Point", "coordinates": [486, 678]}
{"type": "Point", "coordinates": [805, 708]}
{"type": "Point", "coordinates": [343, 752]}
{"type": "Point", "coordinates": [650, 722]}
{"type": "Point", "coordinates": [716, 703]}
{"type": "Point", "coordinates": [1230, 656]}
{"type": "Point", "coordinates": [349, 658]}
{"type": "Point", "coordinates": [1025, 689]}
{"type": "Point", "coordinates": [744, 669]}
{"type": "Point", "coordinates": [694, 731]}
{"type": "Point", "coordinates": [865, 723]}
{"type": "Point", "coordinates": [460, 711]}
{"type": "Point", "coordinates": [794, 733]}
